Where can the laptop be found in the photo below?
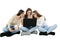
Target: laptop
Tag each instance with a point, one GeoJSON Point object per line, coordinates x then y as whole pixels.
{"type": "Point", "coordinates": [29, 23]}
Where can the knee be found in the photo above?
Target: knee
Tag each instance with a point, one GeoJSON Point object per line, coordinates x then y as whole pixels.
{"type": "Point", "coordinates": [55, 25]}
{"type": "Point", "coordinates": [5, 29]}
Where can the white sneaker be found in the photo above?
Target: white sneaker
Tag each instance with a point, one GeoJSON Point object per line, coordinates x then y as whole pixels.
{"type": "Point", "coordinates": [25, 33]}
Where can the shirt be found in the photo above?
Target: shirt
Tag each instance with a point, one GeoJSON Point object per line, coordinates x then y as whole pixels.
{"type": "Point", "coordinates": [40, 21]}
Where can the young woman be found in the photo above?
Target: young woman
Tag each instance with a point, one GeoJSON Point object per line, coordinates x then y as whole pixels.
{"type": "Point", "coordinates": [13, 25]}
{"type": "Point", "coordinates": [43, 28]}
{"type": "Point", "coordinates": [28, 15]}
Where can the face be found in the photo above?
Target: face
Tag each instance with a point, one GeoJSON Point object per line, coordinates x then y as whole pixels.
{"type": "Point", "coordinates": [29, 13]}
{"type": "Point", "coordinates": [22, 15]}
{"type": "Point", "coordinates": [34, 15]}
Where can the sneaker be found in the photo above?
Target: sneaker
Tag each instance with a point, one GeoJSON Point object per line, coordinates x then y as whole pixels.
{"type": "Point", "coordinates": [17, 32]}
{"type": "Point", "coordinates": [2, 34]}
{"type": "Point", "coordinates": [9, 34]}
{"type": "Point", "coordinates": [43, 33]}
{"type": "Point", "coordinates": [34, 32]}
{"type": "Point", "coordinates": [51, 33]}
{"type": "Point", "coordinates": [25, 33]}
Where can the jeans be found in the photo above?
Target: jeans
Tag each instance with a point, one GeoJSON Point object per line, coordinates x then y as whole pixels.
{"type": "Point", "coordinates": [28, 30]}
{"type": "Point", "coordinates": [46, 28]}
{"type": "Point", "coordinates": [6, 29]}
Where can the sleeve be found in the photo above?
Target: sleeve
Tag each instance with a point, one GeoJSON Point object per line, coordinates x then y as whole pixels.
{"type": "Point", "coordinates": [10, 21]}
{"type": "Point", "coordinates": [40, 21]}
{"type": "Point", "coordinates": [21, 23]}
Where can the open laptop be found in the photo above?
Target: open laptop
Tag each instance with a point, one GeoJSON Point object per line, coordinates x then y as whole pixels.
{"type": "Point", "coordinates": [29, 23]}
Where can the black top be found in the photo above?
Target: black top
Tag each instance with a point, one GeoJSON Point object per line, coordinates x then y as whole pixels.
{"type": "Point", "coordinates": [29, 23]}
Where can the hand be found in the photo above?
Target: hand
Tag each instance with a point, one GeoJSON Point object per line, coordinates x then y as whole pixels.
{"type": "Point", "coordinates": [11, 30]}
{"type": "Point", "coordinates": [16, 28]}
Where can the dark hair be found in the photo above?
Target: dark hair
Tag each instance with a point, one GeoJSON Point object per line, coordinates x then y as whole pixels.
{"type": "Point", "coordinates": [39, 15]}
{"type": "Point", "coordinates": [29, 9]}
{"type": "Point", "coordinates": [20, 12]}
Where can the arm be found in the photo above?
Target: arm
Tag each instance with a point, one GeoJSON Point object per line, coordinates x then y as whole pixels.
{"type": "Point", "coordinates": [11, 30]}
{"type": "Point", "coordinates": [16, 28]}
{"type": "Point", "coordinates": [9, 23]}
{"type": "Point", "coordinates": [41, 21]}
{"type": "Point", "coordinates": [21, 23]}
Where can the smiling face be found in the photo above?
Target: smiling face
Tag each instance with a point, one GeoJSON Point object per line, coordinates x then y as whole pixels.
{"type": "Point", "coordinates": [29, 12]}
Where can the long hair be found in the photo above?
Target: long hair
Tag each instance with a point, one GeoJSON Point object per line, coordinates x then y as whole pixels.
{"type": "Point", "coordinates": [29, 9]}
{"type": "Point", "coordinates": [39, 15]}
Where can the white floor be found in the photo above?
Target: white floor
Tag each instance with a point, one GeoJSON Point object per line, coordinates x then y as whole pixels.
{"type": "Point", "coordinates": [31, 37]}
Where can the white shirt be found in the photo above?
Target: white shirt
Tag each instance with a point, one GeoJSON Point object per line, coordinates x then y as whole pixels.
{"type": "Point", "coordinates": [40, 21]}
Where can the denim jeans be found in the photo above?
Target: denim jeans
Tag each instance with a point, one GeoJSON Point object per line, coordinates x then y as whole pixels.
{"type": "Point", "coordinates": [6, 29]}
{"type": "Point", "coordinates": [28, 30]}
{"type": "Point", "coordinates": [46, 28]}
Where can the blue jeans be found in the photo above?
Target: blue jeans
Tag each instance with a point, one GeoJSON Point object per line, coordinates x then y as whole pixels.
{"type": "Point", "coordinates": [28, 30]}
{"type": "Point", "coordinates": [6, 29]}
{"type": "Point", "coordinates": [46, 28]}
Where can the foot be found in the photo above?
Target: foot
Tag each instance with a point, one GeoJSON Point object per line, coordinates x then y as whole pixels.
{"type": "Point", "coordinates": [51, 33]}
{"type": "Point", "coordinates": [2, 34]}
{"type": "Point", "coordinates": [9, 34]}
{"type": "Point", "coordinates": [18, 32]}
{"type": "Point", "coordinates": [34, 32]}
{"type": "Point", "coordinates": [43, 33]}
{"type": "Point", "coordinates": [25, 33]}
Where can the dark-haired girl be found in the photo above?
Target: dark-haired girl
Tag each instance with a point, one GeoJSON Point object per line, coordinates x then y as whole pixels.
{"type": "Point", "coordinates": [13, 24]}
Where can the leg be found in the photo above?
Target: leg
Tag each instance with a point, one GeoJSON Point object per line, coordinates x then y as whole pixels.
{"type": "Point", "coordinates": [5, 33]}
{"type": "Point", "coordinates": [16, 32]}
{"type": "Point", "coordinates": [42, 29]}
{"type": "Point", "coordinates": [8, 34]}
{"type": "Point", "coordinates": [51, 28]}
{"type": "Point", "coordinates": [45, 26]}
{"type": "Point", "coordinates": [24, 29]}
{"type": "Point", "coordinates": [5, 29]}
{"type": "Point", "coordinates": [32, 29]}
{"type": "Point", "coordinates": [2, 34]}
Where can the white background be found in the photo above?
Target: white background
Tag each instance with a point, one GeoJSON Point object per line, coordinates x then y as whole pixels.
{"type": "Point", "coordinates": [49, 8]}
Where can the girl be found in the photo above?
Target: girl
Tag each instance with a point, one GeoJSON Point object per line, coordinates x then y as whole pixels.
{"type": "Point", "coordinates": [43, 28]}
{"type": "Point", "coordinates": [28, 30]}
{"type": "Point", "coordinates": [13, 25]}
